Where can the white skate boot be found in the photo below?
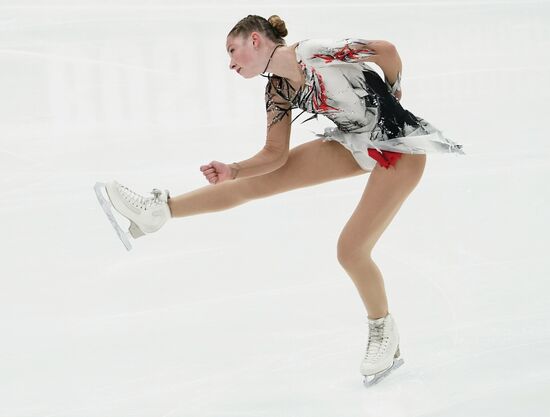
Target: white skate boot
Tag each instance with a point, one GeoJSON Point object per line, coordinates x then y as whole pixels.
{"type": "Point", "coordinates": [146, 215]}
{"type": "Point", "coordinates": [382, 355]}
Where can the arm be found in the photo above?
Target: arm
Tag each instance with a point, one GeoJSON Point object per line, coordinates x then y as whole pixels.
{"type": "Point", "coordinates": [390, 63]}
{"type": "Point", "coordinates": [263, 162]}
{"type": "Point", "coordinates": [385, 55]}
{"type": "Point", "coordinates": [275, 151]}
{"type": "Point", "coordinates": [381, 52]}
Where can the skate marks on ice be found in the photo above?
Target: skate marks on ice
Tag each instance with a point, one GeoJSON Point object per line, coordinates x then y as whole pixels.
{"type": "Point", "coordinates": [106, 206]}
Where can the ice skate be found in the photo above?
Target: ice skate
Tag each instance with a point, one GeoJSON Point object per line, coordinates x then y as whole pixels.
{"type": "Point", "coordinates": [382, 355]}
{"type": "Point", "coordinates": [146, 214]}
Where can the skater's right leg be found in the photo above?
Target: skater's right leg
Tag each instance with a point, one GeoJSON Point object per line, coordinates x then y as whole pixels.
{"type": "Point", "coordinates": [308, 164]}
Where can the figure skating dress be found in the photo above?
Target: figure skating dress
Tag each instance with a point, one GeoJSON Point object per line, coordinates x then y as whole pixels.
{"type": "Point", "coordinates": [370, 121]}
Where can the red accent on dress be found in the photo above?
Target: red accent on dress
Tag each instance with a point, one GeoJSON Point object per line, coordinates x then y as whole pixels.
{"type": "Point", "coordinates": [385, 158]}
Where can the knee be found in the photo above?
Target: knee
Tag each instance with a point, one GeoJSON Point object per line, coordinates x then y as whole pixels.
{"type": "Point", "coordinates": [349, 251]}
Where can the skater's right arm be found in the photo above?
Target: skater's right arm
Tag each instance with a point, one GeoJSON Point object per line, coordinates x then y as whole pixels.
{"type": "Point", "coordinates": [275, 151]}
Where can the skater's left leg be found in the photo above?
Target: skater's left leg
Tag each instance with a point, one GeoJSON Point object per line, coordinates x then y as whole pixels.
{"type": "Point", "coordinates": [384, 194]}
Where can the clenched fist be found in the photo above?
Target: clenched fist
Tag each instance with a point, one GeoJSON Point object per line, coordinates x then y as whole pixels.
{"type": "Point", "coordinates": [216, 172]}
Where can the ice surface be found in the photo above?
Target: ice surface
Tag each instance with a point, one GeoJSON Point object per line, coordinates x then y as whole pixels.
{"type": "Point", "coordinates": [247, 312]}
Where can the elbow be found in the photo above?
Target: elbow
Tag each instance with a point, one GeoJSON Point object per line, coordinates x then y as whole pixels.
{"type": "Point", "coordinates": [280, 159]}
{"type": "Point", "coordinates": [390, 48]}
{"type": "Point", "coordinates": [284, 157]}
{"type": "Point", "coordinates": [278, 155]}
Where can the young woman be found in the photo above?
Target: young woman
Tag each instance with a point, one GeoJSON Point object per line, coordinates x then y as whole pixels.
{"type": "Point", "coordinates": [373, 133]}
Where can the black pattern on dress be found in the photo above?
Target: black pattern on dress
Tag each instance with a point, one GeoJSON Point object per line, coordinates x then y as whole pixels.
{"type": "Point", "coordinates": [392, 115]}
{"type": "Point", "coordinates": [281, 97]}
{"type": "Point", "coordinates": [342, 86]}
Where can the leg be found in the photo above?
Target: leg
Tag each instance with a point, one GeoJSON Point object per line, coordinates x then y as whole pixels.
{"type": "Point", "coordinates": [384, 194]}
{"type": "Point", "coordinates": [308, 164]}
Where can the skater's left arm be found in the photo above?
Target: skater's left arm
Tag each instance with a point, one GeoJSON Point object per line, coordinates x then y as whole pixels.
{"type": "Point", "coordinates": [390, 62]}
{"type": "Point", "coordinates": [384, 54]}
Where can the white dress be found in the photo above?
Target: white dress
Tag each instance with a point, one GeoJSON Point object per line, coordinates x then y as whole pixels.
{"type": "Point", "coordinates": [370, 121]}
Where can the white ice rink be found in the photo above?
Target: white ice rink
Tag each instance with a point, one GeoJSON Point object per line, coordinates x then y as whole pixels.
{"type": "Point", "coordinates": [247, 312]}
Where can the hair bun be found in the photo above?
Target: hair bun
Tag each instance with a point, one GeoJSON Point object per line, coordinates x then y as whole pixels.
{"type": "Point", "coordinates": [278, 25]}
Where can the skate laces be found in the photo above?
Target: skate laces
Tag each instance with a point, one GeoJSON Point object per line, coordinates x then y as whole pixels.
{"type": "Point", "coordinates": [139, 201]}
{"type": "Point", "coordinates": [377, 342]}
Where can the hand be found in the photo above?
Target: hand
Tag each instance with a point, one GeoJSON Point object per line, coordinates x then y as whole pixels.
{"type": "Point", "coordinates": [216, 172]}
{"type": "Point", "coordinates": [397, 95]}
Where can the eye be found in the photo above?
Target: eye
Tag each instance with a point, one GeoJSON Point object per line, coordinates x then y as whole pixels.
{"type": "Point", "coordinates": [231, 50]}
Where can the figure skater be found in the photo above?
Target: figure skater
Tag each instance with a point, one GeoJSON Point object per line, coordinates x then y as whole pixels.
{"type": "Point", "coordinates": [373, 133]}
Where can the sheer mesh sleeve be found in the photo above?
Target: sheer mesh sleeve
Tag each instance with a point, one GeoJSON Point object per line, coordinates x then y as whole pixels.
{"type": "Point", "coordinates": [278, 105]}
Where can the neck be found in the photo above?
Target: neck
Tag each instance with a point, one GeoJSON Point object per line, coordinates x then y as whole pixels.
{"type": "Point", "coordinates": [284, 63]}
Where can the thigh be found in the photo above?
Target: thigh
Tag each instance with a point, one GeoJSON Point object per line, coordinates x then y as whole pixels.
{"type": "Point", "coordinates": [385, 192]}
{"type": "Point", "coordinates": [310, 163]}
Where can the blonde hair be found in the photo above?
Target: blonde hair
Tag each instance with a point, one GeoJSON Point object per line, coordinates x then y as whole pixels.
{"type": "Point", "coordinates": [274, 27]}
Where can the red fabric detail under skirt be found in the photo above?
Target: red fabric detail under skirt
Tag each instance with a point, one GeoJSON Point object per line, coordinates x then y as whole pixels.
{"type": "Point", "coordinates": [385, 158]}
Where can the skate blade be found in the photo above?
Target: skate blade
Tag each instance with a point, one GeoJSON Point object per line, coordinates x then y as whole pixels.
{"type": "Point", "coordinates": [368, 381]}
{"type": "Point", "coordinates": [106, 206]}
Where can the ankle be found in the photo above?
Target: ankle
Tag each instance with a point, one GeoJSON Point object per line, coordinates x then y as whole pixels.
{"type": "Point", "coordinates": [376, 317]}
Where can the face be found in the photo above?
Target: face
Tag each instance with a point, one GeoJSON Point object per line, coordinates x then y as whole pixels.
{"type": "Point", "coordinates": [244, 55]}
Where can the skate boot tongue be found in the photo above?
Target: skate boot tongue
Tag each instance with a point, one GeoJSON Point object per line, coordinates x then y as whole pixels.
{"type": "Point", "coordinates": [379, 321]}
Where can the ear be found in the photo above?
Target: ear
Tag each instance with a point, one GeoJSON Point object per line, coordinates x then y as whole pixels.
{"type": "Point", "coordinates": [255, 39]}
